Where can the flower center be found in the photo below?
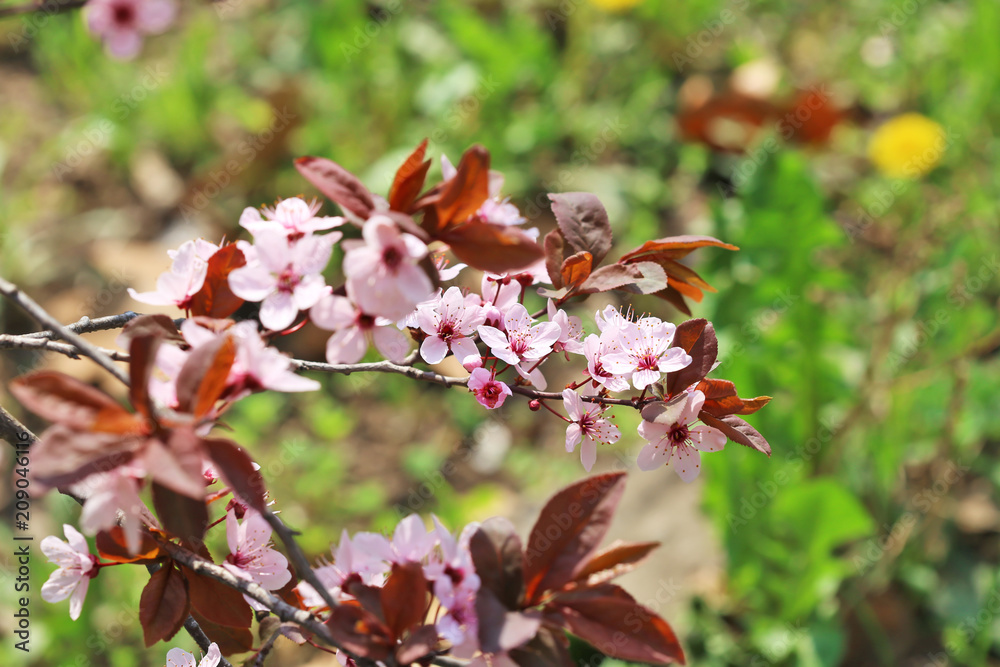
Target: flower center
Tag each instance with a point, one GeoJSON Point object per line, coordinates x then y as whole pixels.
{"type": "Point", "coordinates": [124, 14]}
{"type": "Point", "coordinates": [679, 434]}
{"type": "Point", "coordinates": [446, 330]}
{"type": "Point", "coordinates": [288, 280]}
{"type": "Point", "coordinates": [366, 322]}
{"type": "Point", "coordinates": [648, 362]}
{"type": "Point", "coordinates": [392, 258]}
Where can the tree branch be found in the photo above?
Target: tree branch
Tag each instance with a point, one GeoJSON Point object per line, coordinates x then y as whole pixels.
{"type": "Point", "coordinates": [87, 325]}
{"type": "Point", "coordinates": [29, 342]}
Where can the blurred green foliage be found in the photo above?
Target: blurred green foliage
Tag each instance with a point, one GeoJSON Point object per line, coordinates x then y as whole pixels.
{"type": "Point", "coordinates": [866, 307]}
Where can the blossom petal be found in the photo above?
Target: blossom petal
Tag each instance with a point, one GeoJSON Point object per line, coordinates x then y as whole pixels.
{"type": "Point", "coordinates": [433, 349]}
{"type": "Point", "coordinates": [278, 311]}
{"type": "Point", "coordinates": [588, 454]}
{"type": "Point", "coordinates": [687, 463]}
{"type": "Point", "coordinates": [391, 343]}
{"type": "Point", "coordinates": [707, 439]}
{"type": "Point", "coordinates": [652, 457]}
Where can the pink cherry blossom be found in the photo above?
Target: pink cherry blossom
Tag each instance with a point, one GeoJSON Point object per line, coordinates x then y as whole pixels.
{"type": "Point", "coordinates": [570, 330]}
{"type": "Point", "coordinates": [521, 344]}
{"type": "Point", "coordinates": [353, 329]}
{"type": "Point", "coordinates": [286, 277]}
{"type": "Point", "coordinates": [445, 272]}
{"type": "Point", "coordinates": [293, 217]}
{"type": "Point", "coordinates": [594, 349]}
{"type": "Point", "coordinates": [107, 493]}
{"type": "Point", "coordinates": [183, 279]}
{"type": "Point", "coordinates": [365, 556]}
{"type": "Point", "coordinates": [257, 366]}
{"type": "Point", "coordinates": [490, 392]}
{"type": "Point", "coordinates": [450, 321]}
{"type": "Point", "coordinates": [411, 541]}
{"type": "Point", "coordinates": [499, 293]}
{"type": "Point", "coordinates": [121, 24]}
{"type": "Point", "coordinates": [587, 424]}
{"type": "Point", "coordinates": [76, 568]}
{"type": "Point", "coordinates": [667, 428]}
{"type": "Point", "coordinates": [646, 352]}
{"type": "Point", "coordinates": [180, 658]}
{"type": "Point", "coordinates": [455, 586]}
{"type": "Point", "coordinates": [250, 553]}
{"type": "Point", "coordinates": [382, 271]}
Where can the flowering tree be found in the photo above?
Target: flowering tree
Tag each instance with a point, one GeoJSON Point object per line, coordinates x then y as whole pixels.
{"type": "Point", "coordinates": [421, 595]}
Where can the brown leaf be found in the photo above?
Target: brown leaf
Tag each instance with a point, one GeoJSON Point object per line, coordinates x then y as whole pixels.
{"type": "Point", "coordinates": [568, 531]}
{"type": "Point", "coordinates": [203, 376]}
{"type": "Point", "coordinates": [547, 649]}
{"type": "Point", "coordinates": [63, 456]}
{"type": "Point", "coordinates": [673, 247]}
{"type": "Point", "coordinates": [231, 640]}
{"type": "Point", "coordinates": [111, 546]}
{"type": "Point", "coordinates": [640, 277]}
{"type": "Point", "coordinates": [583, 222]}
{"type": "Point", "coordinates": [177, 463]}
{"type": "Point", "coordinates": [465, 193]}
{"type": "Point", "coordinates": [181, 516]}
{"type": "Point", "coordinates": [614, 561]}
{"type": "Point", "coordinates": [721, 399]}
{"type": "Point", "coordinates": [496, 553]}
{"type": "Point", "coordinates": [417, 644]}
{"type": "Point", "coordinates": [610, 620]}
{"type": "Point", "coordinates": [62, 399]}
{"type": "Point", "coordinates": [217, 602]}
{"type": "Point", "coordinates": [237, 470]}
{"type": "Point", "coordinates": [215, 299]}
{"type": "Point", "coordinates": [404, 598]}
{"type": "Point", "coordinates": [738, 431]}
{"type": "Point", "coordinates": [501, 629]}
{"type": "Point", "coordinates": [340, 185]}
{"type": "Point", "coordinates": [163, 605]}
{"type": "Point", "coordinates": [697, 338]}
{"type": "Point", "coordinates": [554, 245]}
{"type": "Point", "coordinates": [409, 180]}
{"type": "Point", "coordinates": [490, 247]}
{"type": "Point", "coordinates": [142, 357]}
{"type": "Point", "coordinates": [576, 269]}
{"type": "Point", "coordinates": [158, 325]}
{"type": "Point", "coordinates": [359, 632]}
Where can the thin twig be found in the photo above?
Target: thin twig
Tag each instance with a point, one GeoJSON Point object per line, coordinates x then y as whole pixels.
{"type": "Point", "coordinates": [27, 342]}
{"type": "Point", "coordinates": [13, 431]}
{"type": "Point", "coordinates": [49, 7]}
{"type": "Point", "coordinates": [87, 325]}
{"type": "Point", "coordinates": [266, 647]}
{"type": "Point", "coordinates": [201, 639]}
{"type": "Point", "coordinates": [299, 560]}
{"type": "Point", "coordinates": [12, 292]}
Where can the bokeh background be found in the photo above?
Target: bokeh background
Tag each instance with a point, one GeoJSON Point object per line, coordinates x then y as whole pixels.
{"type": "Point", "coordinates": [864, 297]}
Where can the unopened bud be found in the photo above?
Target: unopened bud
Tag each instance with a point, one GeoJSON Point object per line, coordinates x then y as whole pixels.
{"type": "Point", "coordinates": [534, 405]}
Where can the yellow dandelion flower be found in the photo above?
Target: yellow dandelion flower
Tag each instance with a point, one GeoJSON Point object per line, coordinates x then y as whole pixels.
{"type": "Point", "coordinates": [907, 146]}
{"type": "Point", "coordinates": [615, 5]}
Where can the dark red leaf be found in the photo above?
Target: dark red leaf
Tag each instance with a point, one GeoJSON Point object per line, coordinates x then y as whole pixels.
{"type": "Point", "coordinates": [159, 325]}
{"type": "Point", "coordinates": [409, 180]}
{"type": "Point", "coordinates": [674, 298]}
{"type": "Point", "coordinates": [62, 399]}
{"type": "Point", "coordinates": [465, 193]}
{"type": "Point", "coordinates": [237, 470]}
{"type": "Point", "coordinates": [231, 640]}
{"type": "Point", "coordinates": [181, 516]}
{"type": "Point", "coordinates": [576, 269]}
{"type": "Point", "coordinates": [142, 357]}
{"type": "Point", "coordinates": [674, 247]}
{"type": "Point", "coordinates": [640, 277]}
{"type": "Point", "coordinates": [203, 375]}
{"type": "Point", "coordinates": [501, 629]}
{"type": "Point", "coordinates": [496, 553]}
{"type": "Point", "coordinates": [63, 456]}
{"type": "Point", "coordinates": [213, 383]}
{"type": "Point", "coordinates": [721, 399]}
{"type": "Point", "coordinates": [738, 431]}
{"type": "Point", "coordinates": [215, 299]}
{"type": "Point", "coordinates": [490, 247]}
{"type": "Point", "coordinates": [338, 184]}
{"type": "Point", "coordinates": [417, 644]}
{"type": "Point", "coordinates": [111, 546]}
{"type": "Point", "coordinates": [359, 632]}
{"type": "Point", "coordinates": [177, 463]}
{"type": "Point", "coordinates": [217, 602]}
{"type": "Point", "coordinates": [163, 605]}
{"type": "Point", "coordinates": [616, 560]}
{"type": "Point", "coordinates": [583, 222]}
{"type": "Point", "coordinates": [554, 245]}
{"type": "Point", "coordinates": [547, 649]}
{"type": "Point", "coordinates": [568, 532]}
{"type": "Point", "coordinates": [404, 598]}
{"type": "Point", "coordinates": [697, 338]}
{"type": "Point", "coordinates": [610, 620]}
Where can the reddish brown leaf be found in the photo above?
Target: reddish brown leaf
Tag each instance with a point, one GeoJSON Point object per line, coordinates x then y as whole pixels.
{"type": "Point", "coordinates": [490, 247]}
{"type": "Point", "coordinates": [237, 470]}
{"type": "Point", "coordinates": [547, 649]}
{"type": "Point", "coordinates": [180, 515]}
{"type": "Point", "coordinates": [158, 325]}
{"type": "Point", "coordinates": [697, 338]}
{"type": "Point", "coordinates": [501, 629]}
{"type": "Point", "coordinates": [417, 644]}
{"type": "Point", "coordinates": [215, 299]}
{"type": "Point", "coordinates": [163, 605]}
{"type": "Point", "coordinates": [359, 632]}
{"type": "Point", "coordinates": [142, 357]}
{"type": "Point", "coordinates": [721, 399]}
{"type": "Point", "coordinates": [674, 298]}
{"type": "Point", "coordinates": [610, 620]}
{"type": "Point", "coordinates": [409, 180]}
{"type": "Point", "coordinates": [404, 598]}
{"type": "Point", "coordinates": [673, 247]}
{"type": "Point", "coordinates": [583, 222]}
{"type": "Point", "coordinates": [63, 456]}
{"type": "Point", "coordinates": [340, 185]}
{"type": "Point", "coordinates": [690, 291]}
{"type": "Point", "coordinates": [617, 559]}
{"type": "Point", "coordinates": [177, 463]}
{"type": "Point", "coordinates": [465, 193]}
{"type": "Point", "coordinates": [217, 602]}
{"type": "Point", "coordinates": [639, 277]}
{"type": "Point", "coordinates": [111, 546]}
{"type": "Point", "coordinates": [496, 553]}
{"type": "Point", "coordinates": [203, 375]}
{"type": "Point", "coordinates": [554, 245]}
{"type": "Point", "coordinates": [568, 532]}
{"type": "Point", "coordinates": [62, 399]}
{"type": "Point", "coordinates": [231, 640]}
{"type": "Point", "coordinates": [738, 431]}
{"type": "Point", "coordinates": [576, 269]}
{"type": "Point", "coordinates": [213, 383]}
